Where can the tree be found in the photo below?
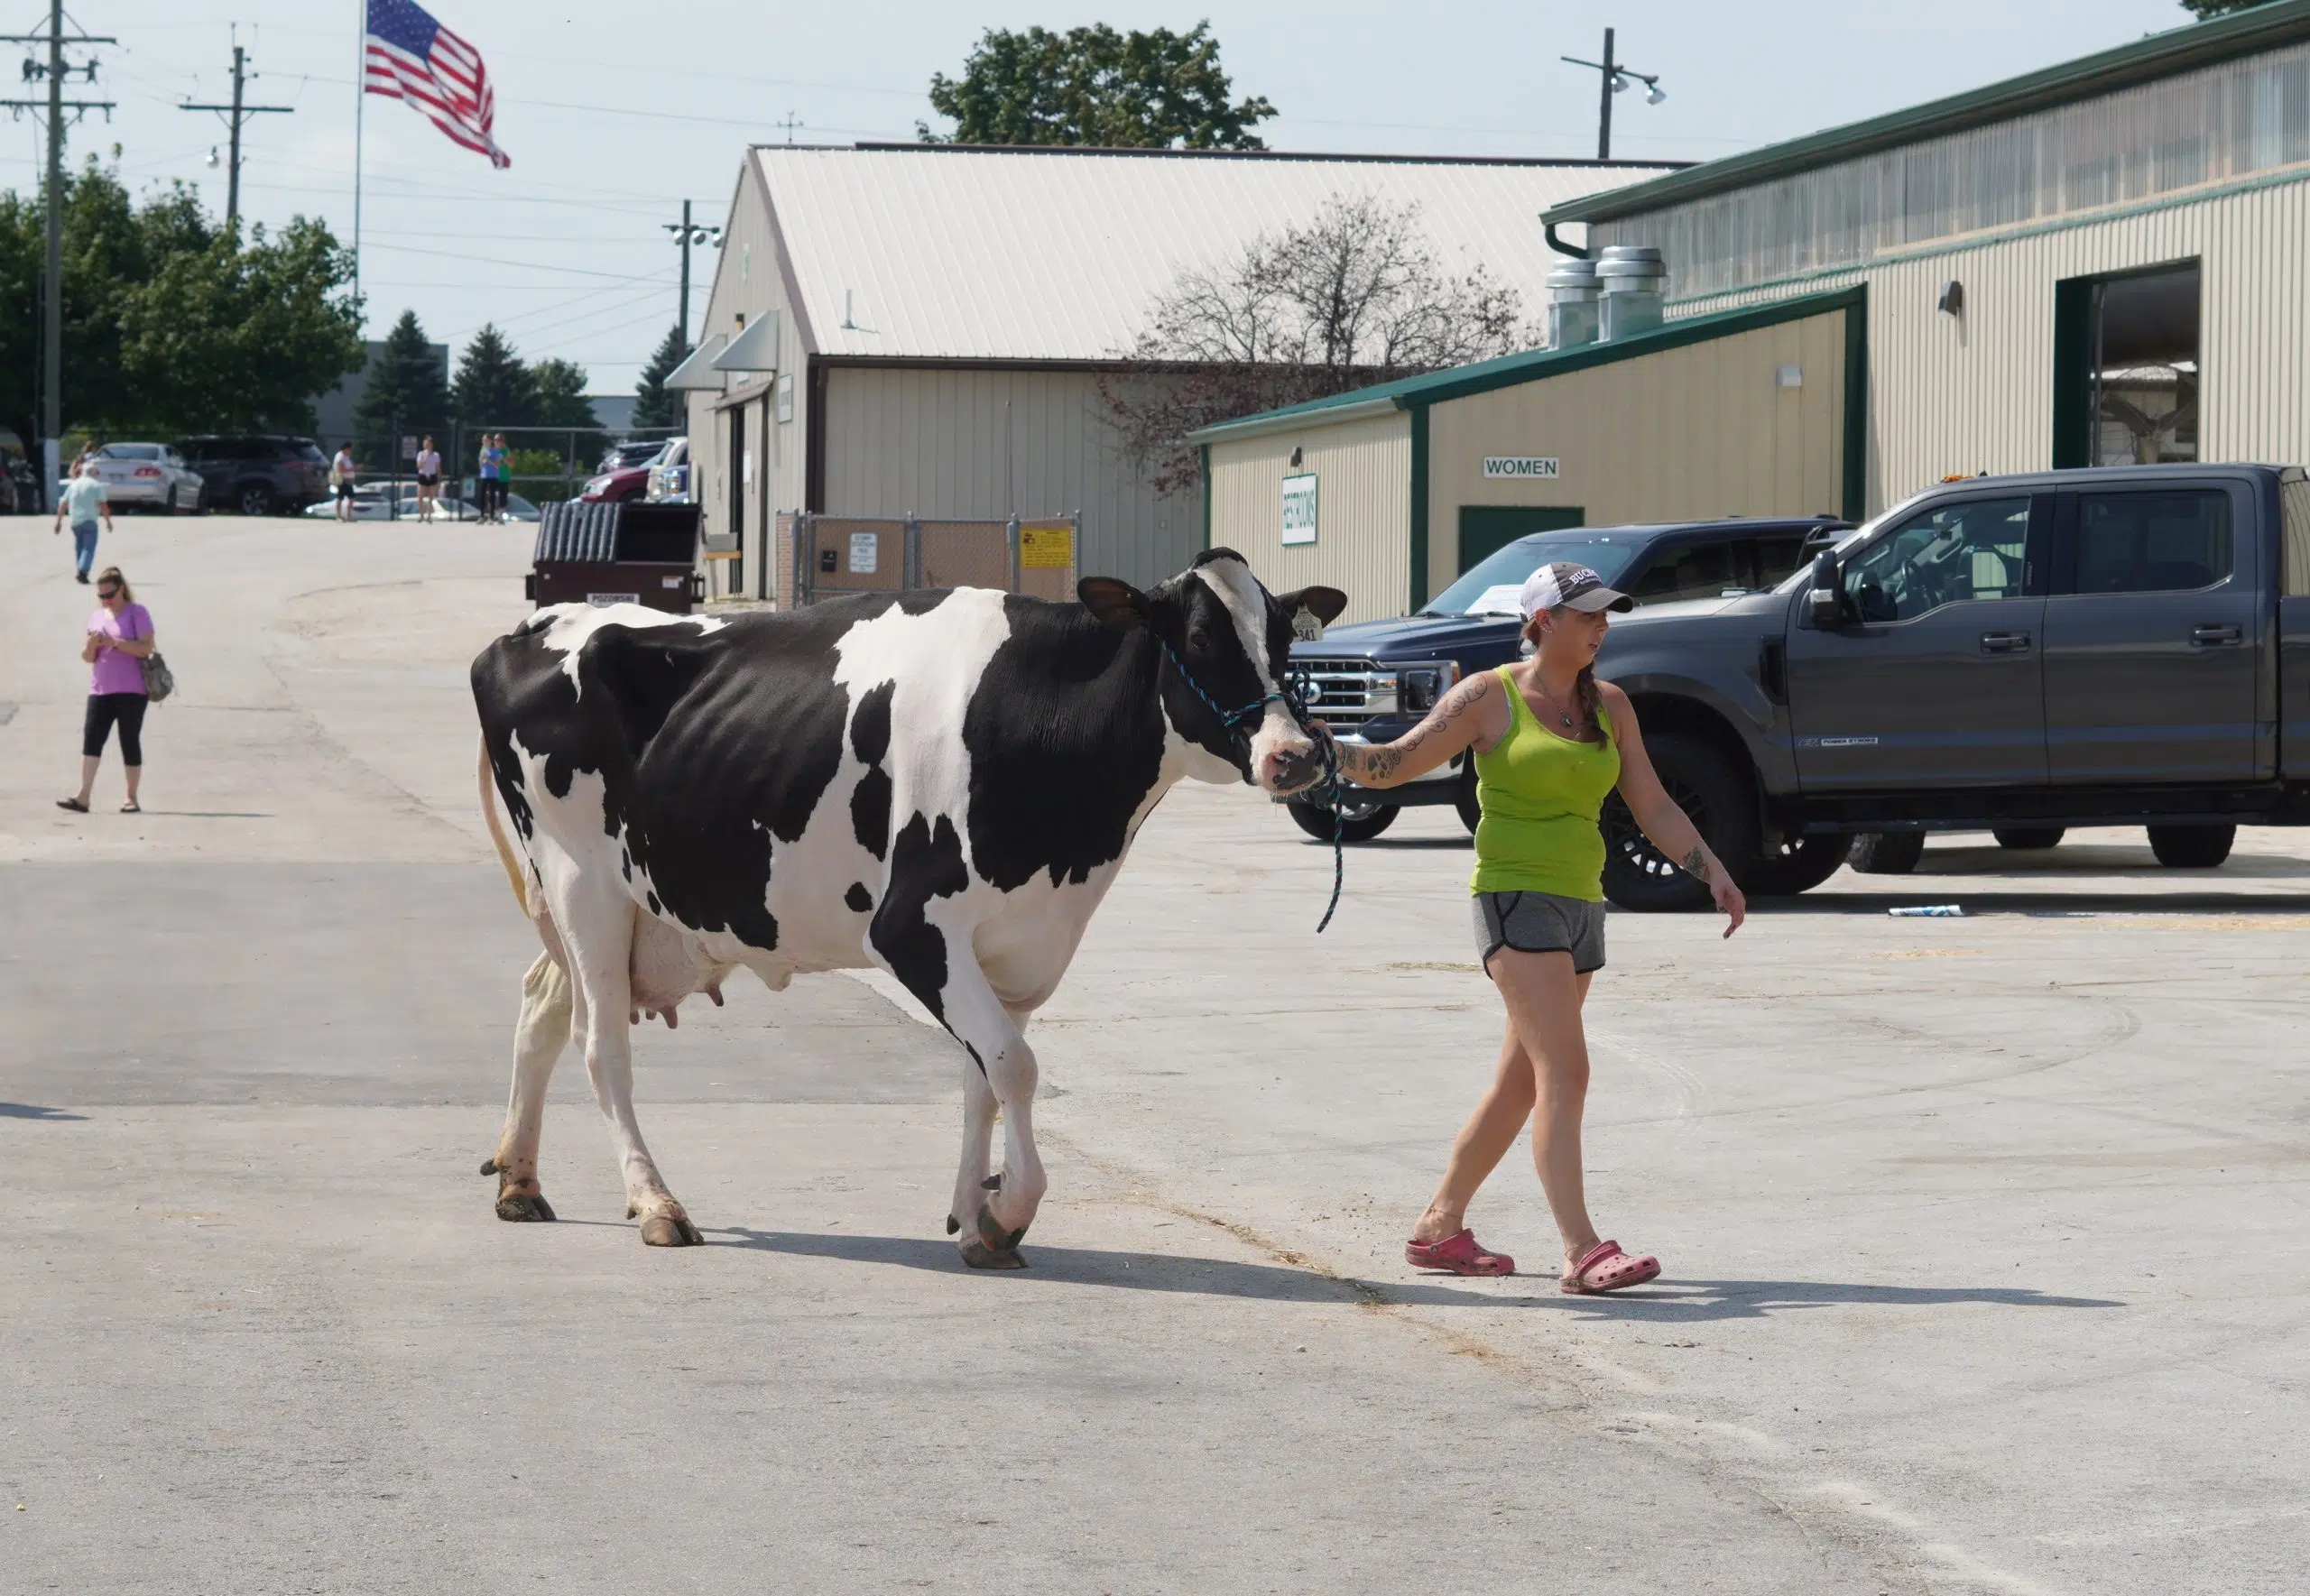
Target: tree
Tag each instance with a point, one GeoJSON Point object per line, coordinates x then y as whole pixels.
{"type": "Point", "coordinates": [2206, 9]}
{"type": "Point", "coordinates": [493, 387]}
{"type": "Point", "coordinates": [563, 403]}
{"type": "Point", "coordinates": [1093, 86]}
{"type": "Point", "coordinates": [653, 405]}
{"type": "Point", "coordinates": [408, 393]}
{"type": "Point", "coordinates": [1353, 296]}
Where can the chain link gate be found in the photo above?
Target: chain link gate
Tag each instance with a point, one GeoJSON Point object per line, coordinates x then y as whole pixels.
{"type": "Point", "coordinates": [827, 555]}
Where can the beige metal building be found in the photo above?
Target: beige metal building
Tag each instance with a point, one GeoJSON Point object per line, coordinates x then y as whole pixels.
{"type": "Point", "coordinates": [900, 331]}
{"type": "Point", "coordinates": [2104, 263]}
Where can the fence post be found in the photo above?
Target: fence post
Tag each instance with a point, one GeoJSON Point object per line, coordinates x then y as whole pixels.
{"type": "Point", "coordinates": [1074, 550]}
{"type": "Point", "coordinates": [1010, 542]}
{"type": "Point", "coordinates": [910, 553]}
{"type": "Point", "coordinates": [806, 557]}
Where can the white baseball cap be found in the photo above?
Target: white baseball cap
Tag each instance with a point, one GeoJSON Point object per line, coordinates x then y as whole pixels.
{"type": "Point", "coordinates": [1565, 585]}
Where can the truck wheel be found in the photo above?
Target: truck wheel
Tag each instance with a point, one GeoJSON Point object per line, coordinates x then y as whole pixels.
{"type": "Point", "coordinates": [1360, 824]}
{"type": "Point", "coordinates": [1797, 865]}
{"type": "Point", "coordinates": [1463, 798]}
{"type": "Point", "coordinates": [1888, 853]}
{"type": "Point", "coordinates": [2028, 836]}
{"type": "Point", "coordinates": [254, 499]}
{"type": "Point", "coordinates": [1716, 796]}
{"type": "Point", "coordinates": [2192, 847]}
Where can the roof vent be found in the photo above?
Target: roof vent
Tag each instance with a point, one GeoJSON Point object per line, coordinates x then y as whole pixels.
{"type": "Point", "coordinates": [1572, 305]}
{"type": "Point", "coordinates": [1633, 278]}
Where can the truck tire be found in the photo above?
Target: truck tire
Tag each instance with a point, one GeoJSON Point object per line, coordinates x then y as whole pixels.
{"type": "Point", "coordinates": [1720, 802]}
{"type": "Point", "coordinates": [1361, 824]}
{"type": "Point", "coordinates": [1799, 866]}
{"type": "Point", "coordinates": [1463, 798]}
{"type": "Point", "coordinates": [254, 498]}
{"type": "Point", "coordinates": [2192, 847]}
{"type": "Point", "coordinates": [2030, 837]}
{"type": "Point", "coordinates": [1888, 853]}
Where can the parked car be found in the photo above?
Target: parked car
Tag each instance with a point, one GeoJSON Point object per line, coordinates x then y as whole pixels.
{"type": "Point", "coordinates": [670, 474]}
{"type": "Point", "coordinates": [147, 477]}
{"type": "Point", "coordinates": [386, 500]}
{"type": "Point", "coordinates": [624, 473]}
{"type": "Point", "coordinates": [20, 486]}
{"type": "Point", "coordinates": [1374, 679]}
{"type": "Point", "coordinates": [2017, 655]}
{"type": "Point", "coordinates": [259, 475]}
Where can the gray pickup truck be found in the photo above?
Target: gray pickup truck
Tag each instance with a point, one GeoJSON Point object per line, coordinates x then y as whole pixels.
{"type": "Point", "coordinates": [2018, 654]}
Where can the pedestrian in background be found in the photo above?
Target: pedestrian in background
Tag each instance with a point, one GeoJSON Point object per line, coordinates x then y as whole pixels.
{"type": "Point", "coordinates": [120, 637]}
{"type": "Point", "coordinates": [82, 501]}
{"type": "Point", "coordinates": [341, 474]}
{"type": "Point", "coordinates": [492, 484]}
{"type": "Point", "coordinates": [428, 479]}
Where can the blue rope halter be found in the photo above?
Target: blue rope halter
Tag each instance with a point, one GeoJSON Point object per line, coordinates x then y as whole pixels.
{"type": "Point", "coordinates": [1232, 720]}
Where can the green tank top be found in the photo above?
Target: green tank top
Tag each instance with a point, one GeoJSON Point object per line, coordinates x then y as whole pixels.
{"type": "Point", "coordinates": [1541, 794]}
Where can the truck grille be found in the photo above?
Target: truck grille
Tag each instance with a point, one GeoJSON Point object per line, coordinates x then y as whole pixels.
{"type": "Point", "coordinates": [1343, 692]}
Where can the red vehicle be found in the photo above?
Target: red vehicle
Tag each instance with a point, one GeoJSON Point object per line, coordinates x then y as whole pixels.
{"type": "Point", "coordinates": [624, 473]}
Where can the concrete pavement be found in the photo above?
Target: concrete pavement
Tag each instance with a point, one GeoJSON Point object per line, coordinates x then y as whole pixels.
{"type": "Point", "coordinates": [1982, 1236]}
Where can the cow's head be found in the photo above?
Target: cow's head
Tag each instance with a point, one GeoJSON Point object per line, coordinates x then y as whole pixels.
{"type": "Point", "coordinates": [1229, 640]}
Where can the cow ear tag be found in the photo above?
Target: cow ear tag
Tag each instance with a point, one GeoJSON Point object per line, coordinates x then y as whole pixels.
{"type": "Point", "coordinates": [1307, 626]}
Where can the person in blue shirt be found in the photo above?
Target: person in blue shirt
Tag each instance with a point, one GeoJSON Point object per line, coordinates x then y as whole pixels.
{"type": "Point", "coordinates": [82, 501]}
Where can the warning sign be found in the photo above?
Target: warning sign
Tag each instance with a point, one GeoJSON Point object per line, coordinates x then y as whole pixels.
{"type": "Point", "coordinates": [1046, 549]}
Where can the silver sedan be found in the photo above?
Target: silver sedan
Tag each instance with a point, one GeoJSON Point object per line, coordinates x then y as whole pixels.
{"type": "Point", "coordinates": [147, 477]}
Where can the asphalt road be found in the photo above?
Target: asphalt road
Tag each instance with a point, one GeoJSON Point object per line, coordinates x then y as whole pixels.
{"type": "Point", "coordinates": [1984, 1237]}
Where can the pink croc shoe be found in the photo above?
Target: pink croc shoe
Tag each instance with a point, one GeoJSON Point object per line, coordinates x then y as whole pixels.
{"type": "Point", "coordinates": [1605, 1267]}
{"type": "Point", "coordinates": [1458, 1254]}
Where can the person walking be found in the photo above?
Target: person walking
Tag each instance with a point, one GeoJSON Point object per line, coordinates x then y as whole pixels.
{"type": "Point", "coordinates": [119, 637]}
{"type": "Point", "coordinates": [342, 472]}
{"type": "Point", "coordinates": [82, 501]}
{"type": "Point", "coordinates": [428, 479]}
{"type": "Point", "coordinates": [1550, 741]}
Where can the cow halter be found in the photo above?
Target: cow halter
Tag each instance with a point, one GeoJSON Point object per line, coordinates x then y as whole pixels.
{"type": "Point", "coordinates": [1232, 721]}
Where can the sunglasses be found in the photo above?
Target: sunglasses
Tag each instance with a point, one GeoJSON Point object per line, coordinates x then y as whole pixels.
{"type": "Point", "coordinates": [107, 592]}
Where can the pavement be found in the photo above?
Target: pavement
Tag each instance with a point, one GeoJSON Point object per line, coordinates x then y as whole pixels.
{"type": "Point", "coordinates": [1984, 1236]}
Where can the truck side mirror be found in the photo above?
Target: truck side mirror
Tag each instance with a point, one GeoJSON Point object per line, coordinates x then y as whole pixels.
{"type": "Point", "coordinates": [1825, 598]}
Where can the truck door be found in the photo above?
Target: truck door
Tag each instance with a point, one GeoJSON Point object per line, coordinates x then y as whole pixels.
{"type": "Point", "coordinates": [1935, 678]}
{"type": "Point", "coordinates": [2154, 638]}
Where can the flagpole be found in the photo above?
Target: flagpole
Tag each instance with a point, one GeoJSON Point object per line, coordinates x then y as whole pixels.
{"type": "Point", "coordinates": [360, 102]}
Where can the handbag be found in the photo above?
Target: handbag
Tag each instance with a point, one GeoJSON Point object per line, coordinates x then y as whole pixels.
{"type": "Point", "coordinates": [160, 681]}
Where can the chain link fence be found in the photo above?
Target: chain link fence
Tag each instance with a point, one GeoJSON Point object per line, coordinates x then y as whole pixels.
{"type": "Point", "coordinates": [822, 557]}
{"type": "Point", "coordinates": [546, 464]}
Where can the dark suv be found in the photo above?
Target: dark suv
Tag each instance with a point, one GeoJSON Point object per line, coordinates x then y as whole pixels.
{"type": "Point", "coordinates": [258, 475]}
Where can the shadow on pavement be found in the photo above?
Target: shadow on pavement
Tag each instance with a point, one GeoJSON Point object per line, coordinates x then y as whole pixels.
{"type": "Point", "coordinates": [29, 1111]}
{"type": "Point", "coordinates": [1695, 1301]}
{"type": "Point", "coordinates": [1981, 900]}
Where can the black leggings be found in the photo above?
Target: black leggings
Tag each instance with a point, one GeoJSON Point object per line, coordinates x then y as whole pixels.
{"type": "Point", "coordinates": [106, 710]}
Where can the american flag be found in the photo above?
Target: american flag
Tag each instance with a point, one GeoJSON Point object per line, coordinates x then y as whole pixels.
{"type": "Point", "coordinates": [411, 57]}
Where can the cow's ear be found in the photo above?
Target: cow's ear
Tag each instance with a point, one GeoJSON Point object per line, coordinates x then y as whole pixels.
{"type": "Point", "coordinates": [1114, 601]}
{"type": "Point", "coordinates": [1322, 602]}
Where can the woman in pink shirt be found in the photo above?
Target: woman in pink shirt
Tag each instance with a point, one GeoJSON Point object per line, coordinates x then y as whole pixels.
{"type": "Point", "coordinates": [120, 635]}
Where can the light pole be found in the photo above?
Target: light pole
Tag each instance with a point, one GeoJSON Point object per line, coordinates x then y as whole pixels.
{"type": "Point", "coordinates": [1616, 77]}
{"type": "Point", "coordinates": [687, 234]}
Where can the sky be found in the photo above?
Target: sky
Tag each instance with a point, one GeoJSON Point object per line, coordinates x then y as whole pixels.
{"type": "Point", "coordinates": [614, 115]}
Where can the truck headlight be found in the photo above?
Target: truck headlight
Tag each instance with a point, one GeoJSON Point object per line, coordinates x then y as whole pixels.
{"type": "Point", "coordinates": [1421, 686]}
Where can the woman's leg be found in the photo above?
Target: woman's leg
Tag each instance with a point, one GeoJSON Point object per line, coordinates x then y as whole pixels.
{"type": "Point", "coordinates": [95, 727]}
{"type": "Point", "coordinates": [131, 714]}
{"type": "Point", "coordinates": [1544, 998]}
{"type": "Point", "coordinates": [1491, 1131]}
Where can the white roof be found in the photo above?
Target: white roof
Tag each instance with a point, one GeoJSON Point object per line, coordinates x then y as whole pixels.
{"type": "Point", "coordinates": [1010, 255]}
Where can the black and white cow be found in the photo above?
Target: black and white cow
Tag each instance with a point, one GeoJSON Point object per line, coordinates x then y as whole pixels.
{"type": "Point", "coordinates": [941, 785]}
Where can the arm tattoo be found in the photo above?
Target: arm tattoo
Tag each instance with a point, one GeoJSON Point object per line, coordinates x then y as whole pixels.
{"type": "Point", "coordinates": [1377, 765]}
{"type": "Point", "coordinates": [1696, 863]}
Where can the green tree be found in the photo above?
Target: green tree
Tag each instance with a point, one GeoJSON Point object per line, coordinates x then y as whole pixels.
{"type": "Point", "coordinates": [2206, 9]}
{"type": "Point", "coordinates": [653, 405]}
{"type": "Point", "coordinates": [563, 403]}
{"type": "Point", "coordinates": [407, 392]}
{"type": "Point", "coordinates": [1160, 90]}
{"type": "Point", "coordinates": [493, 387]}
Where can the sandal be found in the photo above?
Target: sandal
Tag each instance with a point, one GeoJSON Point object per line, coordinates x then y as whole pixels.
{"type": "Point", "coordinates": [1605, 1267]}
{"type": "Point", "coordinates": [131, 807]}
{"type": "Point", "coordinates": [73, 804]}
{"type": "Point", "coordinates": [1458, 1254]}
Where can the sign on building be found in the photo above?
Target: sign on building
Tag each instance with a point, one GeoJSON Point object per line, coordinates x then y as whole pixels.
{"type": "Point", "coordinates": [864, 547]}
{"type": "Point", "coordinates": [1047, 547]}
{"type": "Point", "coordinates": [1299, 509]}
{"type": "Point", "coordinates": [1530, 467]}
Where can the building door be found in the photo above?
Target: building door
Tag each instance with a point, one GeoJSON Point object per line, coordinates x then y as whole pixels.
{"type": "Point", "coordinates": [1937, 677]}
{"type": "Point", "coordinates": [2154, 639]}
{"type": "Point", "coordinates": [2126, 368]}
{"type": "Point", "coordinates": [1486, 528]}
{"type": "Point", "coordinates": [737, 458]}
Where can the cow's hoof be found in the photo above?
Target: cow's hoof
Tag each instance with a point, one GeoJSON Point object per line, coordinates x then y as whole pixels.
{"type": "Point", "coordinates": [489, 1165]}
{"type": "Point", "coordinates": [953, 1224]}
{"type": "Point", "coordinates": [670, 1230]}
{"type": "Point", "coordinates": [519, 1207]}
{"type": "Point", "coordinates": [980, 1256]}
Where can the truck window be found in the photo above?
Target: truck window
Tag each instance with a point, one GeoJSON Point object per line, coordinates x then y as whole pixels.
{"type": "Point", "coordinates": [2152, 542]}
{"type": "Point", "coordinates": [1689, 570]}
{"type": "Point", "coordinates": [2294, 516]}
{"type": "Point", "coordinates": [1778, 558]}
{"type": "Point", "coordinates": [1948, 554]}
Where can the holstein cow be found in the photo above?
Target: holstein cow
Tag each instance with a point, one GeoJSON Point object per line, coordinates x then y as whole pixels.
{"type": "Point", "coordinates": [940, 785]}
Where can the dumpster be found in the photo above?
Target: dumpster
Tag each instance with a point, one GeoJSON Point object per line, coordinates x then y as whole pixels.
{"type": "Point", "coordinates": [630, 552]}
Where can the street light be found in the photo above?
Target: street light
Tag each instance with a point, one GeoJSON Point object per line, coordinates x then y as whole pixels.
{"type": "Point", "coordinates": [1617, 78]}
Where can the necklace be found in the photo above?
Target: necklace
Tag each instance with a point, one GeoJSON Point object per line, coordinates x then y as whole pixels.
{"type": "Point", "coordinates": [1561, 717]}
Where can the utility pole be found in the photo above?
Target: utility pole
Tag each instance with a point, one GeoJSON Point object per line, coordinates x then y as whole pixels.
{"type": "Point", "coordinates": [234, 115]}
{"type": "Point", "coordinates": [1616, 78]}
{"type": "Point", "coordinates": [51, 353]}
{"type": "Point", "coordinates": [688, 234]}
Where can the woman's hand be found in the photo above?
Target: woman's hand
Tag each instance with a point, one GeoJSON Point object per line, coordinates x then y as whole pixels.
{"type": "Point", "coordinates": [1729, 901]}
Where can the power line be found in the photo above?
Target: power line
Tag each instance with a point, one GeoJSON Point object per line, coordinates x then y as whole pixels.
{"type": "Point", "coordinates": [237, 116]}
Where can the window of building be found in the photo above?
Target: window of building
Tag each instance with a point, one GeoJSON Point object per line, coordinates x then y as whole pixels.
{"type": "Point", "coordinates": [2127, 374]}
{"type": "Point", "coordinates": [2152, 542]}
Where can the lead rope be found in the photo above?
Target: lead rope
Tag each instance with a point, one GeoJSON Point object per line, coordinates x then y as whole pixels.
{"type": "Point", "coordinates": [1232, 720]}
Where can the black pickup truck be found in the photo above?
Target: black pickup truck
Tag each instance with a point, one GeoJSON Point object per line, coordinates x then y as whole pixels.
{"type": "Point", "coordinates": [2020, 654]}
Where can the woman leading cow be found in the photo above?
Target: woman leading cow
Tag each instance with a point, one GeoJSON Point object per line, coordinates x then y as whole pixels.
{"type": "Point", "coordinates": [1550, 743]}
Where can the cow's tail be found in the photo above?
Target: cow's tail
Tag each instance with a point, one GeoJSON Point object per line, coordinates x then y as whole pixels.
{"type": "Point", "coordinates": [516, 876]}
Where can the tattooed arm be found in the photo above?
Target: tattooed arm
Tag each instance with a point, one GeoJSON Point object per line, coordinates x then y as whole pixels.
{"type": "Point", "coordinates": [1659, 818]}
{"type": "Point", "coordinates": [1472, 715]}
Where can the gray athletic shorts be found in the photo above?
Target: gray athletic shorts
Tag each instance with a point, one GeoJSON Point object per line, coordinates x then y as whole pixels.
{"type": "Point", "coordinates": [1540, 922]}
